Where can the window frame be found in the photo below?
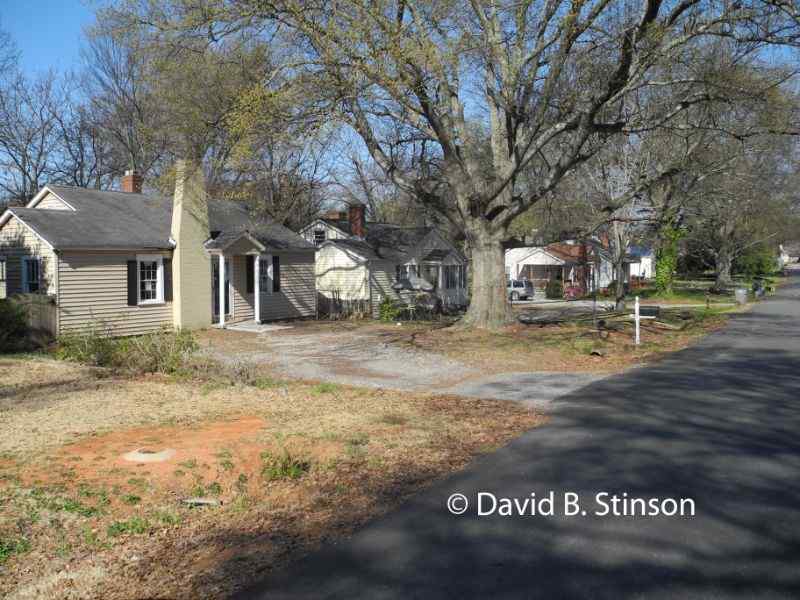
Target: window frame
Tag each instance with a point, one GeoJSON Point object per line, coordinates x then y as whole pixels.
{"type": "Point", "coordinates": [316, 232]}
{"type": "Point", "coordinates": [26, 281]}
{"type": "Point", "coordinates": [265, 274]}
{"type": "Point", "coordinates": [149, 258]}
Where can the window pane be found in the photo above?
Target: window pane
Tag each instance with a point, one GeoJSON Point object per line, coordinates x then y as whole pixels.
{"type": "Point", "coordinates": [148, 280]}
{"type": "Point", "coordinates": [32, 276]}
{"type": "Point", "coordinates": [319, 236]}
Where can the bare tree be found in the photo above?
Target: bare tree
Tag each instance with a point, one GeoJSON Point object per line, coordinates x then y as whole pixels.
{"type": "Point", "coordinates": [121, 99]}
{"type": "Point", "coordinates": [86, 153]}
{"type": "Point", "coordinates": [28, 137]}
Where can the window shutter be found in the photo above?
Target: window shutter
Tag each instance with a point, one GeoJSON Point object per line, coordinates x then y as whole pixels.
{"type": "Point", "coordinates": [167, 280]}
{"type": "Point", "coordinates": [251, 274]}
{"type": "Point", "coordinates": [133, 283]}
{"type": "Point", "coordinates": [276, 274]}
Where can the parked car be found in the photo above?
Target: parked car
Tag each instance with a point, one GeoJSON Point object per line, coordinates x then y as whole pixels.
{"type": "Point", "coordinates": [520, 289]}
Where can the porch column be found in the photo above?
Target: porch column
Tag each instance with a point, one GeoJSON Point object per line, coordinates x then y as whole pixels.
{"type": "Point", "coordinates": [257, 277]}
{"type": "Point", "coordinates": [222, 290]}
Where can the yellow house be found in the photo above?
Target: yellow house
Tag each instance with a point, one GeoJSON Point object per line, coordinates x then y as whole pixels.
{"type": "Point", "coordinates": [130, 263]}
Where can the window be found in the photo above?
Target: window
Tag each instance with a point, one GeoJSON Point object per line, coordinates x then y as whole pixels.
{"type": "Point", "coordinates": [451, 277]}
{"type": "Point", "coordinates": [151, 279]}
{"type": "Point", "coordinates": [431, 274]}
{"type": "Point", "coordinates": [276, 274]}
{"type": "Point", "coordinates": [265, 275]}
{"type": "Point", "coordinates": [319, 236]}
{"type": "Point", "coordinates": [462, 276]}
{"type": "Point", "coordinates": [31, 275]}
{"type": "Point", "coordinates": [405, 271]}
{"type": "Point", "coordinates": [270, 270]}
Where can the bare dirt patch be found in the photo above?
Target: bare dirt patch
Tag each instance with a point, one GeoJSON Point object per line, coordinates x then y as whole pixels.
{"type": "Point", "coordinates": [292, 465]}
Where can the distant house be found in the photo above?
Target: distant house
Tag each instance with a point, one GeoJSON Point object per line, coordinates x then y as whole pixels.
{"type": "Point", "coordinates": [580, 265]}
{"type": "Point", "coordinates": [360, 263]}
{"type": "Point", "coordinates": [131, 263]}
{"type": "Point", "coordinates": [641, 262]}
{"type": "Point", "coordinates": [789, 253]}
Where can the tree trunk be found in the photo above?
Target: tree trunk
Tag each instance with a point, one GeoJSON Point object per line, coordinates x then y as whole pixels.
{"type": "Point", "coordinates": [619, 282]}
{"type": "Point", "coordinates": [724, 263]}
{"type": "Point", "coordinates": [489, 307]}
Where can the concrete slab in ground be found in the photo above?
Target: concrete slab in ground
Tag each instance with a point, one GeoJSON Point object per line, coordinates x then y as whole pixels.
{"type": "Point", "coordinates": [253, 327]}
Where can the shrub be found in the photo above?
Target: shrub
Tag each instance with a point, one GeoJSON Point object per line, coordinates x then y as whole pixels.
{"type": "Point", "coordinates": [554, 289]}
{"type": "Point", "coordinates": [389, 310]}
{"type": "Point", "coordinates": [92, 347]}
{"type": "Point", "coordinates": [162, 352]}
{"type": "Point", "coordinates": [13, 326]}
{"type": "Point", "coordinates": [756, 262]}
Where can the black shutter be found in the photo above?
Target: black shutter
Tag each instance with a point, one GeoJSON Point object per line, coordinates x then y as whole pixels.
{"type": "Point", "coordinates": [251, 274]}
{"type": "Point", "coordinates": [167, 280]}
{"type": "Point", "coordinates": [133, 284]}
{"type": "Point", "coordinates": [276, 274]}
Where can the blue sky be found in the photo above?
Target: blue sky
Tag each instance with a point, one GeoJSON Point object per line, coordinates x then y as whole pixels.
{"type": "Point", "coordinates": [47, 32]}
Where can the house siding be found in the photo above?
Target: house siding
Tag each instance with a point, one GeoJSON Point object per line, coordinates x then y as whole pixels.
{"type": "Point", "coordinates": [297, 297]}
{"type": "Point", "coordinates": [331, 233]}
{"type": "Point", "coordinates": [243, 303]}
{"type": "Point", "coordinates": [52, 202]}
{"type": "Point", "coordinates": [382, 274]}
{"type": "Point", "coordinates": [17, 241]}
{"type": "Point", "coordinates": [340, 275]}
{"type": "Point", "coordinates": [93, 293]}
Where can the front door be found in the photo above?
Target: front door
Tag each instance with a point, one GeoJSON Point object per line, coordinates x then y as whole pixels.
{"type": "Point", "coordinates": [215, 287]}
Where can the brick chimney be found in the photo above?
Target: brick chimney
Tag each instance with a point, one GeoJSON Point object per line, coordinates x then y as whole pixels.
{"type": "Point", "coordinates": [132, 182]}
{"type": "Point", "coordinates": [355, 215]}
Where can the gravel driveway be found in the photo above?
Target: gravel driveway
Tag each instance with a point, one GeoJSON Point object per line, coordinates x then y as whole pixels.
{"type": "Point", "coordinates": [365, 356]}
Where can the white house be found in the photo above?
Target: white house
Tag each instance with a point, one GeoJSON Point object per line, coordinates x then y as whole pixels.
{"type": "Point", "coordinates": [641, 262]}
{"type": "Point", "coordinates": [358, 264]}
{"type": "Point", "coordinates": [572, 263]}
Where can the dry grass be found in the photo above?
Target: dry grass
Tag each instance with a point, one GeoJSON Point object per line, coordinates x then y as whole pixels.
{"type": "Point", "coordinates": [566, 347]}
{"type": "Point", "coordinates": [79, 521]}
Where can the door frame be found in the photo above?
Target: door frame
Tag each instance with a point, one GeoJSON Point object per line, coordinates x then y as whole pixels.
{"type": "Point", "coordinates": [215, 288]}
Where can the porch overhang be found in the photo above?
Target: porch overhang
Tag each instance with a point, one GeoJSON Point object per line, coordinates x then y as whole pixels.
{"type": "Point", "coordinates": [224, 242]}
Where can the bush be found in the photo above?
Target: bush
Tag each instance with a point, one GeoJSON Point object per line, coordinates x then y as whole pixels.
{"type": "Point", "coordinates": [13, 326]}
{"type": "Point", "coordinates": [554, 289]}
{"type": "Point", "coordinates": [389, 310]}
{"type": "Point", "coordinates": [92, 348]}
{"type": "Point", "coordinates": [162, 352]}
{"type": "Point", "coordinates": [756, 262]}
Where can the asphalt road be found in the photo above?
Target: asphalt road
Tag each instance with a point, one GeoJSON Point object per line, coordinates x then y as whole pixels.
{"type": "Point", "coordinates": [718, 423]}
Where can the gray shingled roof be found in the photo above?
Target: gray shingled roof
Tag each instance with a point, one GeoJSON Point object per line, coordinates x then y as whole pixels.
{"type": "Point", "coordinates": [386, 241]}
{"type": "Point", "coordinates": [108, 219]}
{"type": "Point", "coordinates": [232, 219]}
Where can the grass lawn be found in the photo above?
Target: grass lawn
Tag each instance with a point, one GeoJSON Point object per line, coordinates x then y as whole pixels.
{"type": "Point", "coordinates": [567, 347]}
{"type": "Point", "coordinates": [290, 464]}
{"type": "Point", "coordinates": [695, 291]}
